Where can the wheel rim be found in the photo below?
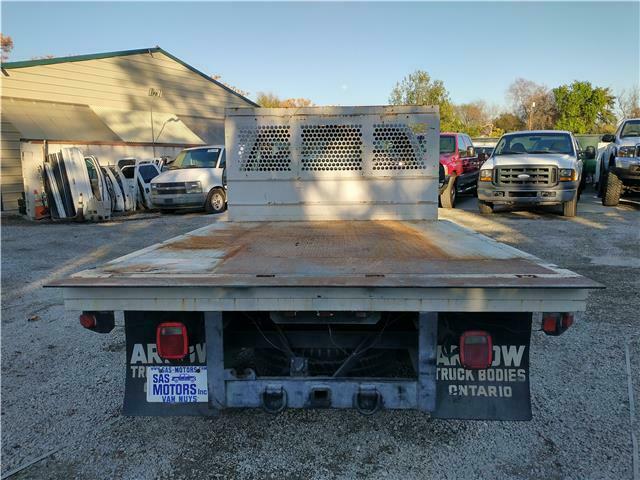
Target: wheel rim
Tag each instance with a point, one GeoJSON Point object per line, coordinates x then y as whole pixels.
{"type": "Point", "coordinates": [217, 201]}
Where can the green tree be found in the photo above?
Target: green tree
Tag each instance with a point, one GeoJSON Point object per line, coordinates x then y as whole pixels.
{"type": "Point", "coordinates": [418, 88]}
{"type": "Point", "coordinates": [583, 108]}
{"type": "Point", "coordinates": [508, 122]}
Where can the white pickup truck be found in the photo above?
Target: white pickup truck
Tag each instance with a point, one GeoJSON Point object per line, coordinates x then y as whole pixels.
{"type": "Point", "coordinates": [619, 166]}
{"type": "Point", "coordinates": [333, 285]}
{"type": "Point", "coordinates": [540, 167]}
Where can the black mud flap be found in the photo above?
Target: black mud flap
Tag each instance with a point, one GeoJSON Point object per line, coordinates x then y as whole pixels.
{"type": "Point", "coordinates": [142, 358]}
{"type": "Point", "coordinates": [500, 392]}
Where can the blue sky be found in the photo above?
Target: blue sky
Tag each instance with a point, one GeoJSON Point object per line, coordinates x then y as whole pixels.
{"type": "Point", "coordinates": [352, 53]}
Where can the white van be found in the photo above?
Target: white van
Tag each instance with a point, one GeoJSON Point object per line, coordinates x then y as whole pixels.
{"type": "Point", "coordinates": [194, 180]}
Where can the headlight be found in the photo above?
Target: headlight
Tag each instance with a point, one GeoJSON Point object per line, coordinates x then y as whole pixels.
{"type": "Point", "coordinates": [567, 175]}
{"type": "Point", "coordinates": [627, 152]}
{"type": "Point", "coordinates": [154, 187]}
{"type": "Point", "coordinates": [486, 175]}
{"type": "Point", "coordinates": [193, 187]}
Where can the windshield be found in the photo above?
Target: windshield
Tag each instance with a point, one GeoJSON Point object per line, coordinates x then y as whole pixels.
{"type": "Point", "coordinates": [201, 158]}
{"type": "Point", "coordinates": [447, 144]}
{"type": "Point", "coordinates": [631, 128]}
{"type": "Point", "coordinates": [534, 143]}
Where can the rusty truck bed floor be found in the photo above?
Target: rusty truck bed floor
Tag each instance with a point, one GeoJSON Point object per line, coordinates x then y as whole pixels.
{"type": "Point", "coordinates": [324, 254]}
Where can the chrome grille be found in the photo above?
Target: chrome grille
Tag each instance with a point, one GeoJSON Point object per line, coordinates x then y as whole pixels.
{"type": "Point", "coordinates": [536, 175]}
{"type": "Point", "coordinates": [170, 188]}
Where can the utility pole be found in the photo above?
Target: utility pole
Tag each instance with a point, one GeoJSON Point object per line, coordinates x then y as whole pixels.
{"type": "Point", "coordinates": [533, 105]}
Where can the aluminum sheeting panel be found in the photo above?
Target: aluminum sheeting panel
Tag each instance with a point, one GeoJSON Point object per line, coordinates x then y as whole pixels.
{"type": "Point", "coordinates": [326, 163]}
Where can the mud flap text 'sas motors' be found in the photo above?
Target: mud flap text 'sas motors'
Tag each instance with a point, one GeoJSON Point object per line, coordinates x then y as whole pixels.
{"type": "Point", "coordinates": [499, 392]}
{"type": "Point", "coordinates": [186, 386]}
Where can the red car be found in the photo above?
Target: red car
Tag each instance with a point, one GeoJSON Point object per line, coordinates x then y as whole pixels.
{"type": "Point", "coordinates": [461, 165]}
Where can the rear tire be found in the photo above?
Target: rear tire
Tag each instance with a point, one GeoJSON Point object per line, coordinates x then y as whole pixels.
{"type": "Point", "coordinates": [612, 190]}
{"type": "Point", "coordinates": [448, 197]}
{"type": "Point", "coordinates": [486, 208]}
{"type": "Point", "coordinates": [570, 208]}
{"type": "Point", "coordinates": [216, 201]}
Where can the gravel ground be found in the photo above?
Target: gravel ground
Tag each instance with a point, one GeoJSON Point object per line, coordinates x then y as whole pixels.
{"type": "Point", "coordinates": [62, 386]}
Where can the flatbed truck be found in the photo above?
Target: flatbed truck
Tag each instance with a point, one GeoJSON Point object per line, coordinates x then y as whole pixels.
{"type": "Point", "coordinates": [331, 284]}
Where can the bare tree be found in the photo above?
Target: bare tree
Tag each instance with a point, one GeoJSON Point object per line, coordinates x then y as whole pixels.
{"type": "Point", "coordinates": [532, 103]}
{"type": "Point", "coordinates": [474, 118]}
{"type": "Point", "coordinates": [628, 103]}
{"type": "Point", "coordinates": [6, 43]}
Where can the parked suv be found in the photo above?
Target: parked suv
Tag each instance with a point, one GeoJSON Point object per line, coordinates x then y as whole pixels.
{"type": "Point", "coordinates": [460, 162]}
{"type": "Point", "coordinates": [533, 168]}
{"type": "Point", "coordinates": [195, 179]}
{"type": "Point", "coordinates": [619, 169]}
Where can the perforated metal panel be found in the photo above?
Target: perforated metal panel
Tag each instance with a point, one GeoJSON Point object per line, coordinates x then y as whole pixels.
{"type": "Point", "coordinates": [332, 163]}
{"type": "Point", "coordinates": [264, 149]}
{"type": "Point", "coordinates": [331, 147]}
{"type": "Point", "coordinates": [395, 147]}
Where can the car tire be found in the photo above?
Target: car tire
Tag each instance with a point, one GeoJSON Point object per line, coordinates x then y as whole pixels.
{"type": "Point", "coordinates": [612, 190]}
{"type": "Point", "coordinates": [216, 201]}
{"type": "Point", "coordinates": [448, 197]}
{"type": "Point", "coordinates": [486, 208]}
{"type": "Point", "coordinates": [570, 208]}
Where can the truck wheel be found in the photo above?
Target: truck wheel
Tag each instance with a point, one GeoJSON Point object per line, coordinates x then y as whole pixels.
{"type": "Point", "coordinates": [448, 197]}
{"type": "Point", "coordinates": [570, 208]}
{"type": "Point", "coordinates": [216, 201]}
{"type": "Point", "coordinates": [486, 208]}
{"type": "Point", "coordinates": [612, 190]}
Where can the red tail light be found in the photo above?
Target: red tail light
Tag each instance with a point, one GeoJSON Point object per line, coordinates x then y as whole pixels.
{"type": "Point", "coordinates": [88, 320]}
{"type": "Point", "coordinates": [476, 349]}
{"type": "Point", "coordinates": [172, 340]}
{"type": "Point", "coordinates": [556, 323]}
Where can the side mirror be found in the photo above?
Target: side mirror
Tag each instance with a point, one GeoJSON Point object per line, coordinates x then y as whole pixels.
{"type": "Point", "coordinates": [590, 152]}
{"type": "Point", "coordinates": [482, 157]}
{"type": "Point", "coordinates": [608, 137]}
{"type": "Point", "coordinates": [471, 152]}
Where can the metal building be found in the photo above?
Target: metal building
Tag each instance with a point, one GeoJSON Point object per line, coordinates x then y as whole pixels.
{"type": "Point", "coordinates": [136, 103]}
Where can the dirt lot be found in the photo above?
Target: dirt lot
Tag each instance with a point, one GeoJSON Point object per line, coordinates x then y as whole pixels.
{"type": "Point", "coordinates": [62, 386]}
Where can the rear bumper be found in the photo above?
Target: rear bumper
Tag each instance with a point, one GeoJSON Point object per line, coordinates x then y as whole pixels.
{"type": "Point", "coordinates": [185, 200]}
{"type": "Point", "coordinates": [529, 195]}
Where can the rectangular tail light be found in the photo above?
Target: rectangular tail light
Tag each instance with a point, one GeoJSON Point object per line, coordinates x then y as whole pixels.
{"type": "Point", "coordinates": [476, 349]}
{"type": "Point", "coordinates": [172, 340]}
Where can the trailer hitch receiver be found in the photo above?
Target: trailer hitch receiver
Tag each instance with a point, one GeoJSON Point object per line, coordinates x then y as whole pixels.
{"type": "Point", "coordinates": [367, 400]}
{"type": "Point", "coordinates": [274, 399]}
